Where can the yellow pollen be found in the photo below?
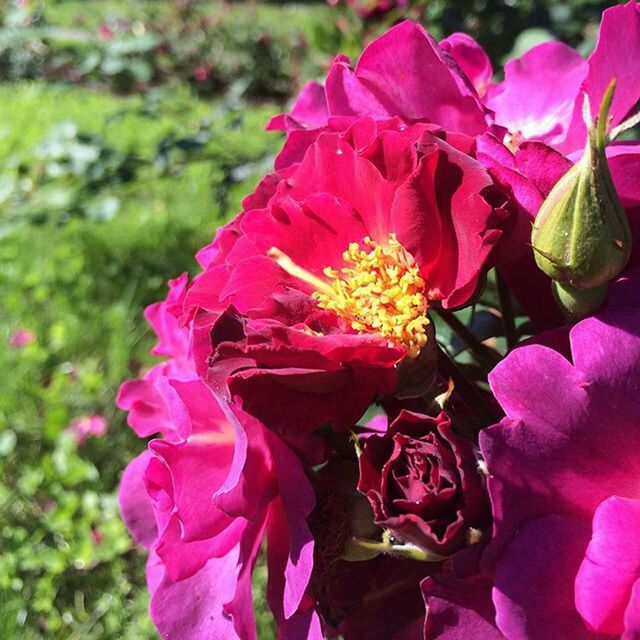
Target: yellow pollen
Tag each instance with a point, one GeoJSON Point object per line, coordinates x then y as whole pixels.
{"type": "Point", "coordinates": [513, 141]}
{"type": "Point", "coordinates": [378, 291]}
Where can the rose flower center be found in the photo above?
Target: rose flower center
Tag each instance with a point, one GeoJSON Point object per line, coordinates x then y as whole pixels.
{"type": "Point", "coordinates": [377, 291]}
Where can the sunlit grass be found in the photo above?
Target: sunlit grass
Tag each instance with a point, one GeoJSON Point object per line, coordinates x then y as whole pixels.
{"type": "Point", "coordinates": [81, 288]}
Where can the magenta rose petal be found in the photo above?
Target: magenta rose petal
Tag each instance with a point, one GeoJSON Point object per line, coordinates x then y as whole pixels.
{"type": "Point", "coordinates": [459, 609]}
{"type": "Point", "coordinates": [471, 58]}
{"type": "Point", "coordinates": [297, 500]}
{"type": "Point", "coordinates": [537, 89]}
{"type": "Point", "coordinates": [525, 395]}
{"type": "Point", "coordinates": [184, 558]}
{"type": "Point", "coordinates": [194, 608]}
{"type": "Point", "coordinates": [135, 506]}
{"type": "Point", "coordinates": [322, 224]}
{"type": "Point", "coordinates": [250, 468]}
{"type": "Point", "coordinates": [154, 571]}
{"type": "Point", "coordinates": [632, 615]}
{"type": "Point", "coordinates": [455, 214]}
{"type": "Point", "coordinates": [533, 586]}
{"type": "Point", "coordinates": [398, 66]}
{"type": "Point", "coordinates": [173, 341]}
{"type": "Point", "coordinates": [310, 107]}
{"type": "Point", "coordinates": [240, 608]}
{"type": "Point", "coordinates": [624, 163]}
{"type": "Point", "coordinates": [293, 615]}
{"type": "Point", "coordinates": [251, 282]}
{"type": "Point", "coordinates": [333, 166]}
{"type": "Point", "coordinates": [193, 475]}
{"type": "Point", "coordinates": [148, 413]}
{"type": "Point", "coordinates": [611, 565]}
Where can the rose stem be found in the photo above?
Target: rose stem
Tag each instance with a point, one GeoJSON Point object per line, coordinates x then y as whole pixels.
{"type": "Point", "coordinates": [506, 307]}
{"type": "Point", "coordinates": [466, 389]}
{"type": "Point", "coordinates": [480, 350]}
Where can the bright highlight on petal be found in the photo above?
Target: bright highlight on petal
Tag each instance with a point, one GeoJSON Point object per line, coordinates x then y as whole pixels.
{"type": "Point", "coordinates": [379, 291]}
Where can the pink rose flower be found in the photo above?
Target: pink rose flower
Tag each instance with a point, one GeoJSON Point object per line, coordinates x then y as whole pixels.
{"type": "Point", "coordinates": [565, 560]}
{"type": "Point", "coordinates": [404, 74]}
{"type": "Point", "coordinates": [201, 72]}
{"type": "Point", "coordinates": [541, 97]}
{"type": "Point", "coordinates": [105, 32]}
{"type": "Point", "coordinates": [264, 319]}
{"type": "Point", "coordinates": [204, 497]}
{"type": "Point", "coordinates": [87, 426]}
{"type": "Point", "coordinates": [21, 338]}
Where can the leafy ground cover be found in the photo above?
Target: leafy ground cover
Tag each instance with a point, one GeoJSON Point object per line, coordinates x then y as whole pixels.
{"type": "Point", "coordinates": [79, 284]}
{"type": "Point", "coordinates": [251, 48]}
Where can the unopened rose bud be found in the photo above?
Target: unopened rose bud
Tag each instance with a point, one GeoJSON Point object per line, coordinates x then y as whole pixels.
{"type": "Point", "coordinates": [581, 236]}
{"type": "Point", "coordinates": [421, 480]}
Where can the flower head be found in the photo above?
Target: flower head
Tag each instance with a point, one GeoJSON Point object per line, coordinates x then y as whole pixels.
{"type": "Point", "coordinates": [21, 338]}
{"type": "Point", "coordinates": [203, 498]}
{"type": "Point", "coordinates": [86, 426]}
{"type": "Point", "coordinates": [542, 93]}
{"type": "Point", "coordinates": [317, 295]}
{"type": "Point", "coordinates": [561, 468]}
{"type": "Point", "coordinates": [423, 483]}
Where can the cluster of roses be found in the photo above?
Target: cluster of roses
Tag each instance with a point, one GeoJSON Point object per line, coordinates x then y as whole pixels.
{"type": "Point", "coordinates": [402, 181]}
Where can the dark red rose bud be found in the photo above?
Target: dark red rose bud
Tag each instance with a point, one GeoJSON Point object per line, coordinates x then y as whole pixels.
{"type": "Point", "coordinates": [423, 483]}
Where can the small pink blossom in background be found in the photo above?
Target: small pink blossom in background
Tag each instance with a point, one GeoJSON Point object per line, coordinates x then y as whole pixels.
{"type": "Point", "coordinates": [105, 32]}
{"type": "Point", "coordinates": [201, 72]}
{"type": "Point", "coordinates": [21, 338]}
{"type": "Point", "coordinates": [84, 426]}
{"type": "Point", "coordinates": [97, 536]}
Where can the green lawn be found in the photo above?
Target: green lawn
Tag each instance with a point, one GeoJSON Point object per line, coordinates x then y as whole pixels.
{"type": "Point", "coordinates": [81, 288]}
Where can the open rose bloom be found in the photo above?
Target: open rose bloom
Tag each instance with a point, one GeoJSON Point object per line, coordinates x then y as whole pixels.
{"type": "Point", "coordinates": [336, 400]}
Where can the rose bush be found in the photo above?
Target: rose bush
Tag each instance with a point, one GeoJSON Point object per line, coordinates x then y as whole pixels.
{"type": "Point", "coordinates": [399, 187]}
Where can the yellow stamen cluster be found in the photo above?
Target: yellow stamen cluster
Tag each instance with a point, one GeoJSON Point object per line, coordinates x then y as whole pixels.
{"type": "Point", "coordinates": [379, 291]}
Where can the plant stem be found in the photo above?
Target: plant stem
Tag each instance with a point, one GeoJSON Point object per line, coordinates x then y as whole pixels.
{"type": "Point", "coordinates": [480, 350]}
{"type": "Point", "coordinates": [467, 389]}
{"type": "Point", "coordinates": [506, 308]}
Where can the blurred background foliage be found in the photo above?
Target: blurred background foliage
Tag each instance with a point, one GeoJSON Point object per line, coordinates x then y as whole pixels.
{"type": "Point", "coordinates": [129, 130]}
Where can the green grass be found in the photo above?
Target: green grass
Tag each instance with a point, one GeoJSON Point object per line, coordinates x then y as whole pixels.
{"type": "Point", "coordinates": [81, 288]}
